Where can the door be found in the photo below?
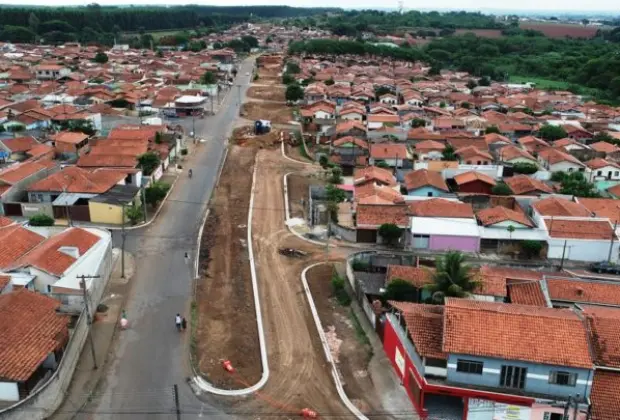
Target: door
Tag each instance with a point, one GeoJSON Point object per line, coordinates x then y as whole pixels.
{"type": "Point", "coordinates": [421, 241]}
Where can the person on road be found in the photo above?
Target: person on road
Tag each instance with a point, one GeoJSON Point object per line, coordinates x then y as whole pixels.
{"type": "Point", "coordinates": [190, 173]}
{"type": "Point", "coordinates": [178, 321]}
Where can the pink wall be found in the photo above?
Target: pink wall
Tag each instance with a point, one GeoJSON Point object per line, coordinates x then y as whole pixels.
{"type": "Point", "coordinates": [539, 410]}
{"type": "Point", "coordinates": [457, 243]}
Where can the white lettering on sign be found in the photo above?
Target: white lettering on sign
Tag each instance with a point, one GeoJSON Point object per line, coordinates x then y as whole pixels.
{"type": "Point", "coordinates": [400, 361]}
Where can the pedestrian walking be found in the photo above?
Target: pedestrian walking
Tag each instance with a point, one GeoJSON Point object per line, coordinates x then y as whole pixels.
{"type": "Point", "coordinates": [178, 321]}
{"type": "Point", "coordinates": [184, 323]}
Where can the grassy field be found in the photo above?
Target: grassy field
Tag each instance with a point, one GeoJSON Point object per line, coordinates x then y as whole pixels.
{"type": "Point", "coordinates": [540, 83]}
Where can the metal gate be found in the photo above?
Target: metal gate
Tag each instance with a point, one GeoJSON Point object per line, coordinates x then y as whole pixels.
{"type": "Point", "coordinates": [12, 209]}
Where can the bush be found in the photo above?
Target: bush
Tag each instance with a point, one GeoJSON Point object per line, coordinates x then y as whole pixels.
{"type": "Point", "coordinates": [323, 161]}
{"type": "Point", "coordinates": [134, 214]}
{"type": "Point", "coordinates": [339, 290]}
{"type": "Point", "coordinates": [41, 220]}
{"type": "Point", "coordinates": [531, 248]}
{"type": "Point", "coordinates": [501, 189]}
{"type": "Point", "coordinates": [525, 168]}
{"type": "Point", "coordinates": [156, 192]}
{"type": "Point", "coordinates": [358, 265]}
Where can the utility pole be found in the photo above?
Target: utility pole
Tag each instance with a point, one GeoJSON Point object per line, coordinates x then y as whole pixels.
{"type": "Point", "coordinates": [144, 203]}
{"type": "Point", "coordinates": [194, 126]}
{"type": "Point", "coordinates": [211, 97]}
{"type": "Point", "coordinates": [123, 234]}
{"type": "Point", "coordinates": [177, 406]}
{"type": "Point", "coordinates": [611, 244]}
{"type": "Point", "coordinates": [88, 316]}
{"type": "Point", "coordinates": [566, 407]}
{"type": "Point", "coordinates": [563, 253]}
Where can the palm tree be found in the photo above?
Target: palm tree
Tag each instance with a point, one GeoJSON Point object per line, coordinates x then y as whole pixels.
{"type": "Point", "coordinates": [452, 277]}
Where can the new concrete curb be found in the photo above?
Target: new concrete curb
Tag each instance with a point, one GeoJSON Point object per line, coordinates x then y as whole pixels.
{"type": "Point", "coordinates": [199, 381]}
{"type": "Point", "coordinates": [328, 355]}
{"type": "Point", "coordinates": [291, 159]}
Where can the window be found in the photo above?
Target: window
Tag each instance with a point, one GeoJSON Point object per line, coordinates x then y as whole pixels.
{"type": "Point", "coordinates": [512, 377]}
{"type": "Point", "coordinates": [559, 377]}
{"type": "Point", "coordinates": [599, 173]}
{"type": "Point", "coordinates": [571, 169]}
{"type": "Point", "coordinates": [429, 194]}
{"type": "Point", "coordinates": [469, 366]}
{"type": "Point", "coordinates": [553, 416]}
{"type": "Point", "coordinates": [616, 173]}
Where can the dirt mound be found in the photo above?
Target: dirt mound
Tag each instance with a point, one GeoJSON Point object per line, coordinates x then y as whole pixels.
{"type": "Point", "coordinates": [244, 136]}
{"type": "Point", "coordinates": [276, 113]}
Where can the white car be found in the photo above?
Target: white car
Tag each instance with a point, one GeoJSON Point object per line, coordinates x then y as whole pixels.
{"type": "Point", "coordinates": [247, 74]}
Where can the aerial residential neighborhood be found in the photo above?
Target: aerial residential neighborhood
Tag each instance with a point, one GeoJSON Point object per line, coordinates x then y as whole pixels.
{"type": "Point", "coordinates": [315, 212]}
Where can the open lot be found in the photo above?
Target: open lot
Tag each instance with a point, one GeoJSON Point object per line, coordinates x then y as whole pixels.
{"type": "Point", "coordinates": [244, 136]}
{"type": "Point", "coordinates": [226, 321]}
{"type": "Point", "coordinates": [561, 30]}
{"type": "Point", "coordinates": [268, 93]}
{"type": "Point", "coordinates": [276, 113]}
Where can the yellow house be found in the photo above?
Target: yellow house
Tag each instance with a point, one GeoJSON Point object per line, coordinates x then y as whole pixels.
{"type": "Point", "coordinates": [107, 208]}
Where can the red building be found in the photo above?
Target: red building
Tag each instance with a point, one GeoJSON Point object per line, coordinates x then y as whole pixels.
{"type": "Point", "coordinates": [474, 182]}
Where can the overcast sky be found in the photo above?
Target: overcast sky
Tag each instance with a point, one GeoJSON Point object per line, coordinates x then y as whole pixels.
{"type": "Point", "coordinates": [561, 5]}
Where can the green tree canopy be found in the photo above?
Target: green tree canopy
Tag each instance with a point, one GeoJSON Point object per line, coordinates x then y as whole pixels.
{"type": "Point", "coordinates": [452, 278]}
{"type": "Point", "coordinates": [208, 78]}
{"type": "Point", "coordinates": [101, 57]}
{"type": "Point", "coordinates": [401, 291]}
{"type": "Point", "coordinates": [492, 129]}
{"type": "Point", "coordinates": [41, 220]}
{"type": "Point", "coordinates": [525, 168]}
{"type": "Point", "coordinates": [390, 233]}
{"type": "Point", "coordinates": [156, 192]}
{"type": "Point", "coordinates": [448, 153]}
{"type": "Point", "coordinates": [551, 132]}
{"type": "Point", "coordinates": [294, 92]}
{"type": "Point", "coordinates": [501, 188]}
{"type": "Point", "coordinates": [149, 161]}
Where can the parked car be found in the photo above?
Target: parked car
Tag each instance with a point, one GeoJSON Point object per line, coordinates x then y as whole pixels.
{"type": "Point", "coordinates": [247, 73]}
{"type": "Point", "coordinates": [605, 267]}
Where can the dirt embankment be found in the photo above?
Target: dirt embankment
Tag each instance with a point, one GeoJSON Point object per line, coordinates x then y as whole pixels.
{"type": "Point", "coordinates": [244, 136]}
{"type": "Point", "coordinates": [226, 328]}
{"type": "Point", "coordinates": [276, 113]}
{"type": "Point", "coordinates": [348, 344]}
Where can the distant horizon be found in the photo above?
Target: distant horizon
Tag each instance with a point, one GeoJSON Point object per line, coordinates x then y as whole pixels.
{"type": "Point", "coordinates": [531, 7]}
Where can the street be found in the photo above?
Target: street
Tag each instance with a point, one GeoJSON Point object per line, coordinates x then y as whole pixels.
{"type": "Point", "coordinates": [151, 356]}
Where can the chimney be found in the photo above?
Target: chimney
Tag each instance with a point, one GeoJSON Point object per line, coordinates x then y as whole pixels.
{"type": "Point", "coordinates": [71, 251]}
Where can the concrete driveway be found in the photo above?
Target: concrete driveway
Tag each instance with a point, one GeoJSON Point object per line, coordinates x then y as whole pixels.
{"type": "Point", "coordinates": [151, 357]}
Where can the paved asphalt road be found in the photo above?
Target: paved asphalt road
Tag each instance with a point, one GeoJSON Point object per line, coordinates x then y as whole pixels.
{"type": "Point", "coordinates": [151, 356]}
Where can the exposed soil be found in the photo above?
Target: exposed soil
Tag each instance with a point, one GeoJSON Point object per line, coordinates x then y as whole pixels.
{"type": "Point", "coordinates": [244, 136]}
{"type": "Point", "coordinates": [271, 93]}
{"type": "Point", "coordinates": [300, 376]}
{"type": "Point", "coordinates": [226, 327]}
{"type": "Point", "coordinates": [298, 192]}
{"type": "Point", "coordinates": [561, 30]}
{"type": "Point", "coordinates": [349, 346]}
{"type": "Point", "coordinates": [276, 113]}
{"type": "Point", "coordinates": [294, 152]}
{"type": "Point", "coordinates": [269, 79]}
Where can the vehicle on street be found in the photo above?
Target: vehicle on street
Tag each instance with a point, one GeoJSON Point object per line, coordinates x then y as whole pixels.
{"type": "Point", "coordinates": [247, 73]}
{"type": "Point", "coordinates": [605, 267]}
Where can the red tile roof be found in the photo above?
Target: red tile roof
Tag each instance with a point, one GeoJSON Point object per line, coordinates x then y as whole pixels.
{"type": "Point", "coordinates": [418, 276]}
{"type": "Point", "coordinates": [438, 207]}
{"type": "Point", "coordinates": [110, 161]}
{"type": "Point", "coordinates": [553, 156]}
{"type": "Point", "coordinates": [580, 229]}
{"type": "Point", "coordinates": [5, 221]}
{"type": "Point", "coordinates": [15, 241]}
{"type": "Point", "coordinates": [574, 290]}
{"type": "Point", "coordinates": [499, 330]}
{"type": "Point", "coordinates": [471, 152]}
{"type": "Point", "coordinates": [31, 329]}
{"type": "Point", "coordinates": [425, 326]}
{"type": "Point", "coordinates": [20, 144]}
{"type": "Point", "coordinates": [602, 207]}
{"type": "Point", "coordinates": [388, 151]}
{"type": "Point", "coordinates": [605, 395]}
{"type": "Point", "coordinates": [69, 137]}
{"type": "Point", "coordinates": [471, 176]}
{"type": "Point", "coordinates": [373, 194]}
{"type": "Point", "coordinates": [16, 173]}
{"type": "Point", "coordinates": [604, 147]}
{"type": "Point", "coordinates": [524, 185]}
{"type": "Point", "coordinates": [78, 180]}
{"type": "Point", "coordinates": [373, 216]}
{"type": "Point", "coordinates": [526, 293]}
{"type": "Point", "coordinates": [556, 206]}
{"type": "Point", "coordinates": [429, 145]}
{"type": "Point", "coordinates": [604, 334]}
{"type": "Point", "coordinates": [373, 173]}
{"type": "Point", "coordinates": [352, 140]}
{"type": "Point", "coordinates": [498, 214]}
{"type": "Point", "coordinates": [508, 153]}
{"type": "Point", "coordinates": [423, 178]}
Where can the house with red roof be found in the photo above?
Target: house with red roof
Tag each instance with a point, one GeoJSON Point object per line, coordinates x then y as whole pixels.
{"type": "Point", "coordinates": [468, 357]}
{"type": "Point", "coordinates": [599, 169]}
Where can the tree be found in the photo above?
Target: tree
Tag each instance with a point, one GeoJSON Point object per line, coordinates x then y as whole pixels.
{"type": "Point", "coordinates": [336, 176]}
{"type": "Point", "coordinates": [531, 248]}
{"type": "Point", "coordinates": [334, 194]}
{"type": "Point", "coordinates": [492, 129]}
{"type": "Point", "coordinates": [471, 83]}
{"type": "Point", "coordinates": [551, 132]}
{"type": "Point", "coordinates": [149, 161]}
{"type": "Point", "coordinates": [294, 92]}
{"type": "Point", "coordinates": [484, 81]}
{"type": "Point", "coordinates": [159, 53]}
{"type": "Point", "coordinates": [41, 219]}
{"type": "Point", "coordinates": [390, 233]}
{"type": "Point", "coordinates": [292, 67]}
{"type": "Point", "coordinates": [287, 79]}
{"type": "Point", "coordinates": [33, 22]}
{"type": "Point", "coordinates": [525, 168]}
{"type": "Point", "coordinates": [208, 78]}
{"type": "Point", "coordinates": [101, 57]}
{"type": "Point", "coordinates": [381, 90]}
{"type": "Point", "coordinates": [418, 122]}
{"type": "Point", "coordinates": [401, 291]}
{"type": "Point", "coordinates": [576, 184]}
{"type": "Point", "coordinates": [465, 105]}
{"type": "Point", "coordinates": [329, 82]}
{"type": "Point", "coordinates": [323, 161]}
{"type": "Point", "coordinates": [604, 136]}
{"type": "Point", "coordinates": [156, 193]}
{"type": "Point", "coordinates": [448, 153]}
{"type": "Point", "coordinates": [510, 230]}
{"type": "Point", "coordinates": [249, 40]}
{"type": "Point", "coordinates": [134, 214]}
{"type": "Point", "coordinates": [452, 278]}
{"type": "Point", "coordinates": [501, 188]}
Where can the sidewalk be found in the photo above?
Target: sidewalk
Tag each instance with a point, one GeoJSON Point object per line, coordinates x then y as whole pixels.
{"type": "Point", "coordinates": [104, 329]}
